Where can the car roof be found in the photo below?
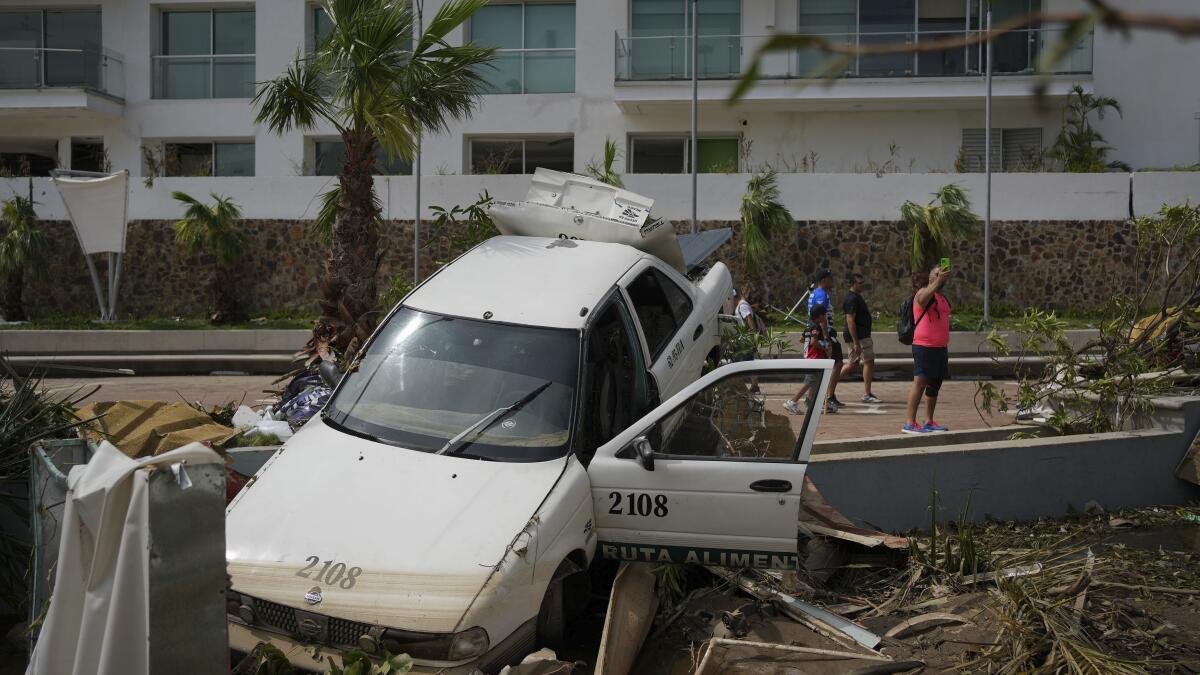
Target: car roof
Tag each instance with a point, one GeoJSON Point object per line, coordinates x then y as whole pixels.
{"type": "Point", "coordinates": [535, 281]}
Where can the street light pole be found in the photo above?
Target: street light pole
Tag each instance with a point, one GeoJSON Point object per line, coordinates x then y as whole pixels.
{"type": "Point", "coordinates": [987, 212]}
{"type": "Point", "coordinates": [417, 174]}
{"type": "Point", "coordinates": [695, 113]}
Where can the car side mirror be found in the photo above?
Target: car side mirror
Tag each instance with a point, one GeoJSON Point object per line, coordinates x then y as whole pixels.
{"type": "Point", "coordinates": [330, 373]}
{"type": "Point", "coordinates": [645, 452]}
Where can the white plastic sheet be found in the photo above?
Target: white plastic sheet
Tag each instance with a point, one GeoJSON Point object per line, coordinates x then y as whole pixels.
{"type": "Point", "coordinates": [98, 621]}
{"type": "Point", "coordinates": [97, 207]}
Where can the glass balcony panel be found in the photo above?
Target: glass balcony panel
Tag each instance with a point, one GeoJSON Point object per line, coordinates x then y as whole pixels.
{"type": "Point", "coordinates": [1011, 53]}
{"type": "Point", "coordinates": [233, 77]}
{"type": "Point", "coordinates": [718, 56]}
{"type": "Point", "coordinates": [885, 65]}
{"type": "Point", "coordinates": [658, 58]}
{"type": "Point", "coordinates": [182, 78]}
{"type": "Point", "coordinates": [503, 74]}
{"type": "Point", "coordinates": [549, 72]}
{"type": "Point", "coordinates": [20, 35]}
{"type": "Point", "coordinates": [945, 62]}
{"type": "Point", "coordinates": [78, 31]}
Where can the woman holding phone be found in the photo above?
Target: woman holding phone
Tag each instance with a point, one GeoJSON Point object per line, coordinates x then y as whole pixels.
{"type": "Point", "coordinates": [930, 348]}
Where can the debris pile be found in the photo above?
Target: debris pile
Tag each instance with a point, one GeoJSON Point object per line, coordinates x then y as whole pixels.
{"type": "Point", "coordinates": [1104, 593]}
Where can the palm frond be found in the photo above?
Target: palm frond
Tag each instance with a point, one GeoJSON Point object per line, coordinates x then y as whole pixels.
{"type": "Point", "coordinates": [23, 242]}
{"type": "Point", "coordinates": [213, 229]}
{"type": "Point", "coordinates": [762, 215]}
{"type": "Point", "coordinates": [946, 218]}
{"type": "Point", "coordinates": [294, 99]}
{"type": "Point", "coordinates": [606, 173]}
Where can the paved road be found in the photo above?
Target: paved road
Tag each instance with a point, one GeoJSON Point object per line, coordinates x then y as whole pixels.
{"type": "Point", "coordinates": [857, 420]}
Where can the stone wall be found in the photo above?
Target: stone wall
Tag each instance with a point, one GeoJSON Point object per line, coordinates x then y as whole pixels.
{"type": "Point", "coordinates": [1059, 265]}
{"type": "Point", "coordinates": [1050, 264]}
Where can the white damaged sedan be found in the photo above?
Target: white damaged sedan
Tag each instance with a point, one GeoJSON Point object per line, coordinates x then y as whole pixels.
{"type": "Point", "coordinates": [535, 404]}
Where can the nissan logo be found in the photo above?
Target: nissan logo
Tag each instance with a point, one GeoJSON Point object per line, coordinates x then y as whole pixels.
{"type": "Point", "coordinates": [313, 596]}
{"type": "Point", "coordinates": [310, 627]}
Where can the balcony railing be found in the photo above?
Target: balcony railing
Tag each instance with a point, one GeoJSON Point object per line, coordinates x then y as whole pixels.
{"type": "Point", "coordinates": [204, 76]}
{"type": "Point", "coordinates": [722, 57]}
{"type": "Point", "coordinates": [42, 68]}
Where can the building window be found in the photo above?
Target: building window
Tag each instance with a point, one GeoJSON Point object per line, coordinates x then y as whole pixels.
{"type": "Point", "coordinates": [535, 45]}
{"type": "Point", "coordinates": [660, 42]}
{"type": "Point", "coordinates": [329, 156]}
{"type": "Point", "coordinates": [208, 159]}
{"type": "Point", "coordinates": [50, 48]}
{"type": "Point", "coordinates": [87, 154]}
{"type": "Point", "coordinates": [205, 54]}
{"type": "Point", "coordinates": [1012, 150]}
{"type": "Point", "coordinates": [322, 26]}
{"type": "Point", "coordinates": [521, 155]}
{"type": "Point", "coordinates": [669, 154]}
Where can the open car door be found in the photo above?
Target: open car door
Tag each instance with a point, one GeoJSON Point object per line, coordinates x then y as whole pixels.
{"type": "Point", "coordinates": [713, 475]}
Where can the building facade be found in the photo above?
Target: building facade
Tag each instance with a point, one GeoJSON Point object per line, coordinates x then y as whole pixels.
{"type": "Point", "coordinates": [164, 87]}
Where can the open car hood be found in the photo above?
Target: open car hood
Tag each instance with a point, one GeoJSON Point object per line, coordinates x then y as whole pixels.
{"type": "Point", "coordinates": [419, 533]}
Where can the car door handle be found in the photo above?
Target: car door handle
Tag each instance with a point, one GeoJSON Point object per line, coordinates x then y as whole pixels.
{"type": "Point", "coordinates": [771, 485]}
{"type": "Point", "coordinates": [698, 333]}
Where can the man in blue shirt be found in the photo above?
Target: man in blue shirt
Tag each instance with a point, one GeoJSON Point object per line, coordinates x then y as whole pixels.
{"type": "Point", "coordinates": [820, 296]}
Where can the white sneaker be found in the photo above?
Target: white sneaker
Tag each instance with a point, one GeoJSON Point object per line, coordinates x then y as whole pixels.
{"type": "Point", "coordinates": [791, 407]}
{"type": "Point", "coordinates": [871, 398]}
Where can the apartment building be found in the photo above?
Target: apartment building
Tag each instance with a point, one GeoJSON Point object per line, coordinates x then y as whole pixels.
{"type": "Point", "coordinates": [165, 87]}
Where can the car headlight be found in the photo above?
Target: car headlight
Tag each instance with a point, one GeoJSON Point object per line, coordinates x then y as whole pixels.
{"type": "Point", "coordinates": [469, 644]}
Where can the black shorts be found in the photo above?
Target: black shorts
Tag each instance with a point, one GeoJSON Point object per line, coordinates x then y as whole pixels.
{"type": "Point", "coordinates": [837, 351]}
{"type": "Point", "coordinates": [932, 363]}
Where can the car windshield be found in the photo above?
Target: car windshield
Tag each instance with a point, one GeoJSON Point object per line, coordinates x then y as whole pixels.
{"type": "Point", "coordinates": [426, 378]}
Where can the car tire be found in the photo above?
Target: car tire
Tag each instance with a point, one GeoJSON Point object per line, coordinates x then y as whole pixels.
{"type": "Point", "coordinates": [562, 601]}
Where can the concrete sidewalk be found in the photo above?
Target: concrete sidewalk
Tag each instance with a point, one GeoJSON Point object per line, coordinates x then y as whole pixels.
{"type": "Point", "coordinates": [270, 351]}
{"type": "Point", "coordinates": [857, 420]}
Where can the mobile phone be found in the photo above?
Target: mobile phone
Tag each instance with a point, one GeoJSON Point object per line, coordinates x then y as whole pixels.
{"type": "Point", "coordinates": [945, 264]}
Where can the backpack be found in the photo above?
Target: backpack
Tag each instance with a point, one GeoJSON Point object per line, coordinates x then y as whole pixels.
{"type": "Point", "coordinates": [906, 328]}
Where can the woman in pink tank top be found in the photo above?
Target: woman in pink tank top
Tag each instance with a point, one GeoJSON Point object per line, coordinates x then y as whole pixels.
{"type": "Point", "coordinates": [930, 348]}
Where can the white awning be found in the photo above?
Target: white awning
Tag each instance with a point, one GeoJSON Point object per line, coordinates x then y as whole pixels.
{"type": "Point", "coordinates": [98, 210]}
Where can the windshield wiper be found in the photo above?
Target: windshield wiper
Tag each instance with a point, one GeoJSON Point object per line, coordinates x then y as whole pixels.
{"type": "Point", "coordinates": [460, 440]}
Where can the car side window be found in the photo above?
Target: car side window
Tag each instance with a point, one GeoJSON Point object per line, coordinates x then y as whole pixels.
{"type": "Point", "coordinates": [617, 391]}
{"type": "Point", "coordinates": [661, 307]}
{"type": "Point", "coordinates": [740, 417]}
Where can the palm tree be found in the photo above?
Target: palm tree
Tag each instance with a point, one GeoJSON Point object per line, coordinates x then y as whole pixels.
{"type": "Point", "coordinates": [374, 85]}
{"type": "Point", "coordinates": [1079, 148]}
{"type": "Point", "coordinates": [23, 244]}
{"type": "Point", "coordinates": [214, 230]}
{"type": "Point", "coordinates": [762, 215]}
{"type": "Point", "coordinates": [605, 173]}
{"type": "Point", "coordinates": [946, 218]}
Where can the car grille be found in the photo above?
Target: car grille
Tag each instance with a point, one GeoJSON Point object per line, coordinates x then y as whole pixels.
{"type": "Point", "coordinates": [276, 615]}
{"type": "Point", "coordinates": [347, 633]}
{"type": "Point", "coordinates": [340, 632]}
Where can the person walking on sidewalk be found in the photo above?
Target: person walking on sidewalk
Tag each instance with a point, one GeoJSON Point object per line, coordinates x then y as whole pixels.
{"type": "Point", "coordinates": [858, 336]}
{"type": "Point", "coordinates": [930, 348]}
{"type": "Point", "coordinates": [820, 296]}
{"type": "Point", "coordinates": [817, 340]}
